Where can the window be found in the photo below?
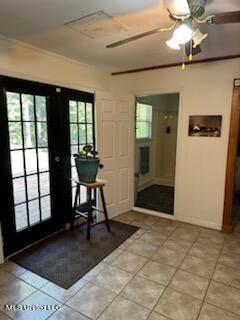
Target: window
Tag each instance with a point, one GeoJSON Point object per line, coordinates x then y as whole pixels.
{"type": "Point", "coordinates": [29, 153]}
{"type": "Point", "coordinates": [81, 133]}
{"type": "Point", "coordinates": [143, 121]}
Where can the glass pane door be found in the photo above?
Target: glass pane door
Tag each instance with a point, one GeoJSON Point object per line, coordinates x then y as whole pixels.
{"type": "Point", "coordinates": [81, 122]}
{"type": "Point", "coordinates": [29, 155]}
{"type": "Point", "coordinates": [41, 126]}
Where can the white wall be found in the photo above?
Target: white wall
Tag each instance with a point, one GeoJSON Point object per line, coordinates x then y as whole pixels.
{"type": "Point", "coordinates": [165, 147]}
{"type": "Point", "coordinates": [201, 162]}
{"type": "Point", "coordinates": [20, 60]}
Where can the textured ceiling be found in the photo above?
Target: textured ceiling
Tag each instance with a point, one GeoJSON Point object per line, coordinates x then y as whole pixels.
{"type": "Point", "coordinates": [42, 24]}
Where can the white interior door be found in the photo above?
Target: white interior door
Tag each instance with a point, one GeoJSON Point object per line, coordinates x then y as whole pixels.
{"type": "Point", "coordinates": [115, 141]}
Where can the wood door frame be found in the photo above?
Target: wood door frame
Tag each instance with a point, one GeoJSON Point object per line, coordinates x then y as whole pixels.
{"type": "Point", "coordinates": [227, 224]}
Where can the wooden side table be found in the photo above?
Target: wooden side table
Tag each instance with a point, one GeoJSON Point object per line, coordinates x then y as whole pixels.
{"type": "Point", "coordinates": [99, 184]}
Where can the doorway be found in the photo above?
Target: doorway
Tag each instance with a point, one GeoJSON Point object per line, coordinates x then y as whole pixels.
{"type": "Point", "coordinates": [42, 126]}
{"type": "Point", "coordinates": [155, 152]}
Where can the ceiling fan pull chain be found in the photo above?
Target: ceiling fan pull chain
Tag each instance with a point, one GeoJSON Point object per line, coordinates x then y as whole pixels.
{"type": "Point", "coordinates": [190, 57]}
{"type": "Point", "coordinates": [184, 55]}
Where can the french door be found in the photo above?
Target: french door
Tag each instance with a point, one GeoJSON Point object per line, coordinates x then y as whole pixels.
{"type": "Point", "coordinates": [81, 115]}
{"type": "Point", "coordinates": [41, 127]}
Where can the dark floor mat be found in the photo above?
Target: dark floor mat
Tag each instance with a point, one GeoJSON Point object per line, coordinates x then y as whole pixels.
{"type": "Point", "coordinates": [157, 198]}
{"type": "Point", "coordinates": [66, 257]}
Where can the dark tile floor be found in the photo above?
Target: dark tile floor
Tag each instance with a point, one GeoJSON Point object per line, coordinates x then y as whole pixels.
{"type": "Point", "coordinates": [157, 198]}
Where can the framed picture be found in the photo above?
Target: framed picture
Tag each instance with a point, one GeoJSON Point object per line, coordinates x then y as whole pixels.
{"type": "Point", "coordinates": [205, 126]}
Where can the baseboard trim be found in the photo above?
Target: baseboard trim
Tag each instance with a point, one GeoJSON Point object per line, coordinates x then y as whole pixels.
{"type": "Point", "coordinates": [227, 229]}
{"type": "Point", "coordinates": [202, 223]}
{"type": "Point", "coordinates": [163, 182]}
{"type": "Point", "coordinates": [145, 185]}
{"type": "Point", "coordinates": [154, 213]}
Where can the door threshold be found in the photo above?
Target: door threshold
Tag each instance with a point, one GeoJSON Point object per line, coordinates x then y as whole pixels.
{"type": "Point", "coordinates": [32, 244]}
{"type": "Point", "coordinates": [154, 213]}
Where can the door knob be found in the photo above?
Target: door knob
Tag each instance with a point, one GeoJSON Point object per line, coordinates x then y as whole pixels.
{"type": "Point", "coordinates": [57, 159]}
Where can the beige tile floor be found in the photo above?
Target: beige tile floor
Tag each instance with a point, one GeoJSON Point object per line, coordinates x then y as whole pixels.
{"type": "Point", "coordinates": [166, 270]}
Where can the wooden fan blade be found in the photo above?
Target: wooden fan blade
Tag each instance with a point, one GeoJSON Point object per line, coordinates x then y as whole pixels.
{"type": "Point", "coordinates": [226, 17]}
{"type": "Point", "coordinates": [139, 36]}
{"type": "Point", "coordinates": [178, 7]}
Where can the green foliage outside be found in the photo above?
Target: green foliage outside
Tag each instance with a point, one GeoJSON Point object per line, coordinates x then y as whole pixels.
{"type": "Point", "coordinates": [28, 116]}
{"type": "Point", "coordinates": [81, 123]}
{"type": "Point", "coordinates": [143, 121]}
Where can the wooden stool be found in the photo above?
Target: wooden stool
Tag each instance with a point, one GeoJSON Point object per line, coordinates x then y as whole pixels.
{"type": "Point", "coordinates": [99, 184]}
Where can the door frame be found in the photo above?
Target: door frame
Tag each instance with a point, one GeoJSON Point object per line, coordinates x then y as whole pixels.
{"type": "Point", "coordinates": [227, 224]}
{"type": "Point", "coordinates": [161, 91]}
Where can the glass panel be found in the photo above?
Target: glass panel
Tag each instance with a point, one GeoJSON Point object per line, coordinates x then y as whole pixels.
{"type": "Point", "coordinates": [89, 133]}
{"type": "Point", "coordinates": [43, 159]}
{"type": "Point", "coordinates": [82, 134]}
{"type": "Point", "coordinates": [34, 213]}
{"type": "Point", "coordinates": [73, 195]}
{"type": "Point", "coordinates": [46, 208]}
{"type": "Point", "coordinates": [15, 135]}
{"type": "Point", "coordinates": [81, 147]}
{"type": "Point", "coordinates": [74, 133]}
{"type": "Point", "coordinates": [21, 217]}
{"type": "Point", "coordinates": [13, 105]}
{"type": "Point", "coordinates": [42, 134]}
{"type": "Point", "coordinates": [81, 112]}
{"type": "Point", "coordinates": [41, 108]}
{"type": "Point", "coordinates": [141, 111]}
{"type": "Point", "coordinates": [29, 134]}
{"type": "Point", "coordinates": [27, 107]}
{"type": "Point", "coordinates": [32, 187]}
{"type": "Point", "coordinates": [31, 161]}
{"type": "Point", "coordinates": [89, 112]}
{"type": "Point", "coordinates": [143, 130]}
{"type": "Point", "coordinates": [19, 190]}
{"type": "Point", "coordinates": [74, 173]}
{"type": "Point", "coordinates": [74, 150]}
{"type": "Point", "coordinates": [17, 163]}
{"type": "Point", "coordinates": [73, 111]}
{"type": "Point", "coordinates": [83, 194]}
{"type": "Point", "coordinates": [44, 184]}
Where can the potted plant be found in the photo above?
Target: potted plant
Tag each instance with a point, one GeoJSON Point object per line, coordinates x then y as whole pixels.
{"type": "Point", "coordinates": [87, 164]}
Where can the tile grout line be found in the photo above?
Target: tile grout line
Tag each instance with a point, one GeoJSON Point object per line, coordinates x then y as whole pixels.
{"type": "Point", "coordinates": [118, 295]}
{"type": "Point", "coordinates": [210, 281]}
{"type": "Point", "coordinates": [177, 269]}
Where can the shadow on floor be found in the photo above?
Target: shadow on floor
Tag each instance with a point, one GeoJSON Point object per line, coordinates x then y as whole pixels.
{"type": "Point", "coordinates": [157, 198]}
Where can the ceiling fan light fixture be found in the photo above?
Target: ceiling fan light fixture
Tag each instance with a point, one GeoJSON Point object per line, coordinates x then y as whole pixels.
{"type": "Point", "coordinates": [183, 34]}
{"type": "Point", "coordinates": [198, 37]}
{"type": "Point", "coordinates": [173, 44]}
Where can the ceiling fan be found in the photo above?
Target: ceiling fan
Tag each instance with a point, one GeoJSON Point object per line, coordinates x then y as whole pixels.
{"type": "Point", "coordinates": [186, 16]}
